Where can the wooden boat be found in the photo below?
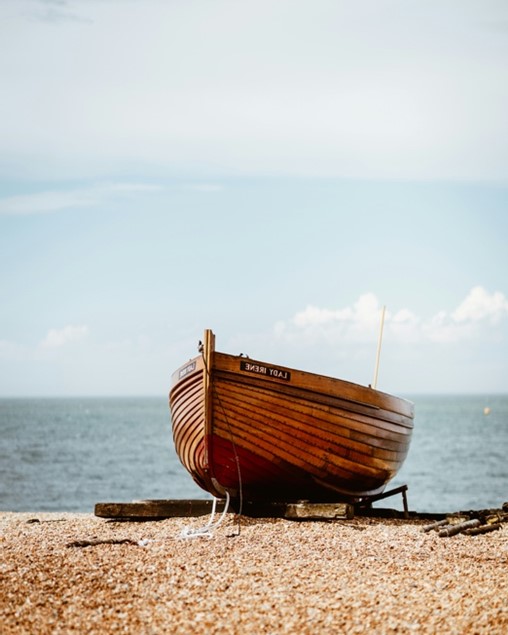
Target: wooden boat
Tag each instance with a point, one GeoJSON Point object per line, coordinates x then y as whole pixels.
{"type": "Point", "coordinates": [263, 432]}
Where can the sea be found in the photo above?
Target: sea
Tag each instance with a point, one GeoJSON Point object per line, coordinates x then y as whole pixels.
{"type": "Point", "coordinates": [67, 454]}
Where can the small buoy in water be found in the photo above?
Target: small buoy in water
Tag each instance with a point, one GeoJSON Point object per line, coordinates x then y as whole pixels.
{"type": "Point", "coordinates": [486, 411]}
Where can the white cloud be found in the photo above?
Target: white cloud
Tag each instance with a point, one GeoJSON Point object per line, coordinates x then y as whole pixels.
{"type": "Point", "coordinates": [476, 314]}
{"type": "Point", "coordinates": [57, 338]}
{"type": "Point", "coordinates": [374, 89]}
{"type": "Point", "coordinates": [54, 11]}
{"type": "Point", "coordinates": [130, 346]}
{"type": "Point", "coordinates": [45, 202]}
{"type": "Point", "coordinates": [56, 201]}
{"type": "Point", "coordinates": [404, 325]}
{"type": "Point", "coordinates": [443, 328]}
{"type": "Point", "coordinates": [126, 188]}
{"type": "Point", "coordinates": [479, 305]}
{"type": "Point", "coordinates": [312, 315]}
{"type": "Point", "coordinates": [205, 187]}
{"type": "Point", "coordinates": [360, 322]}
{"type": "Point", "coordinates": [356, 320]}
{"type": "Point", "coordinates": [11, 350]}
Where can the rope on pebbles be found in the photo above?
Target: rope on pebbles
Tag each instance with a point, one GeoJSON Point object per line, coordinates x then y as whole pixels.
{"type": "Point", "coordinates": [206, 531]}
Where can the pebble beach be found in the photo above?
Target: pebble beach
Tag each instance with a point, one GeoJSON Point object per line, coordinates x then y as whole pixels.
{"type": "Point", "coordinates": [76, 573]}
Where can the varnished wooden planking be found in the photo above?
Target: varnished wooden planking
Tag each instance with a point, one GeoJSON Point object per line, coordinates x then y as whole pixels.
{"type": "Point", "coordinates": [267, 418]}
{"type": "Point", "coordinates": [285, 429]}
{"type": "Point", "coordinates": [319, 465]}
{"type": "Point", "coordinates": [188, 420]}
{"type": "Point", "coordinates": [327, 466]}
{"type": "Point", "coordinates": [301, 403]}
{"type": "Point", "coordinates": [295, 447]}
{"type": "Point", "coordinates": [272, 414]}
{"type": "Point", "coordinates": [385, 419]}
{"type": "Point", "coordinates": [319, 384]}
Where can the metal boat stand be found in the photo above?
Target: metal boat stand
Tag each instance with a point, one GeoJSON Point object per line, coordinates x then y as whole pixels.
{"type": "Point", "coordinates": [366, 502]}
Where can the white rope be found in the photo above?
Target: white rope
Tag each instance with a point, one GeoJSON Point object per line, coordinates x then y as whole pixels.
{"type": "Point", "coordinates": [206, 531]}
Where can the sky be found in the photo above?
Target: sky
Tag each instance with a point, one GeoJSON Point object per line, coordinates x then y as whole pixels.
{"type": "Point", "coordinates": [278, 171]}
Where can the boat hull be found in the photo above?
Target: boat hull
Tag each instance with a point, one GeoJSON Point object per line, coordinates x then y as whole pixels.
{"type": "Point", "coordinates": [268, 433]}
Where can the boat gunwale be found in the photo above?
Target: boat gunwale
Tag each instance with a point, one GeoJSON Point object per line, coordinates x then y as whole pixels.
{"type": "Point", "coordinates": [406, 407]}
{"type": "Point", "coordinates": [325, 403]}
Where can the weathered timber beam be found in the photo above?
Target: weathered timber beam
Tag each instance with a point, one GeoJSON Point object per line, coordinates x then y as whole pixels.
{"type": "Point", "coordinates": [156, 509]}
{"type": "Point", "coordinates": [319, 511]}
{"type": "Point", "coordinates": [483, 529]}
{"type": "Point", "coordinates": [452, 530]}
{"type": "Point", "coordinates": [159, 509]}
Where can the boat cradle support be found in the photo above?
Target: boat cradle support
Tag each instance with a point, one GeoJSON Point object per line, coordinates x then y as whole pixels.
{"type": "Point", "coordinates": [366, 502]}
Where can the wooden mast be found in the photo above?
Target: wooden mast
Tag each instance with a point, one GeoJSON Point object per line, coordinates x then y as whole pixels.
{"type": "Point", "coordinates": [378, 354]}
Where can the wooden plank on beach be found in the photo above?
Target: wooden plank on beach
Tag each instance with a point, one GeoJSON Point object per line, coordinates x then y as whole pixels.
{"type": "Point", "coordinates": [159, 509]}
{"type": "Point", "coordinates": [156, 509]}
{"type": "Point", "coordinates": [319, 511]}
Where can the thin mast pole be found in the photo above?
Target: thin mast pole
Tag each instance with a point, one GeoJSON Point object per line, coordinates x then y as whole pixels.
{"type": "Point", "coordinates": [378, 354]}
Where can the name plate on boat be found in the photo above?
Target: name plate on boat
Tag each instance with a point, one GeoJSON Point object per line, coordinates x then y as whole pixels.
{"type": "Point", "coordinates": [186, 370]}
{"type": "Point", "coordinates": [268, 371]}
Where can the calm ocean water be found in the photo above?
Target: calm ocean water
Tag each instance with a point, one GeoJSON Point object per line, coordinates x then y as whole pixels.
{"type": "Point", "coordinates": [68, 454]}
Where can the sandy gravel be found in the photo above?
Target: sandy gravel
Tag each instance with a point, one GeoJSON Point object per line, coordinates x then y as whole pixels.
{"type": "Point", "coordinates": [277, 576]}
